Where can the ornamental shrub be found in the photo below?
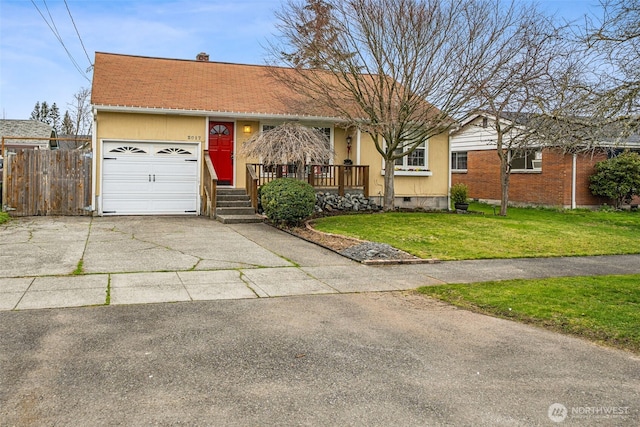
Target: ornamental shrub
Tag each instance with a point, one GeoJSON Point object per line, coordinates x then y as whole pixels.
{"type": "Point", "coordinates": [288, 201]}
{"type": "Point", "coordinates": [617, 178]}
{"type": "Point", "coordinates": [459, 193]}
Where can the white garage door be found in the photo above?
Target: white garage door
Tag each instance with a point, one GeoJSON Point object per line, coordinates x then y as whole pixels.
{"type": "Point", "coordinates": [140, 178]}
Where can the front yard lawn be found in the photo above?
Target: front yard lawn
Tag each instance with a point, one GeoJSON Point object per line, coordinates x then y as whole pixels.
{"type": "Point", "coordinates": [605, 309]}
{"type": "Point", "coordinates": [525, 232]}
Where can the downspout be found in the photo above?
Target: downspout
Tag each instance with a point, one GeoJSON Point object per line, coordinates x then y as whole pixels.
{"type": "Point", "coordinates": [449, 169]}
{"type": "Point", "coordinates": [94, 160]}
{"type": "Point", "coordinates": [358, 136]}
{"type": "Point", "coordinates": [574, 174]}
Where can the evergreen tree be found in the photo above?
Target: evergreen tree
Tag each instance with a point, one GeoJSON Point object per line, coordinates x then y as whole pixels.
{"type": "Point", "coordinates": [54, 116]}
{"type": "Point", "coordinates": [44, 113]}
{"type": "Point", "coordinates": [35, 114]}
{"type": "Point", "coordinates": [67, 125]}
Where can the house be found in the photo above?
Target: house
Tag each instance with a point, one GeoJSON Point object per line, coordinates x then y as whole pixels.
{"type": "Point", "coordinates": [159, 123]}
{"type": "Point", "coordinates": [24, 134]}
{"type": "Point", "coordinates": [539, 176]}
{"type": "Point", "coordinates": [27, 134]}
{"type": "Point", "coordinates": [74, 142]}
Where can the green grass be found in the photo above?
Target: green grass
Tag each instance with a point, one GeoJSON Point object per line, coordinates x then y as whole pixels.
{"type": "Point", "coordinates": [605, 309]}
{"type": "Point", "coordinates": [4, 217]}
{"type": "Point", "coordinates": [79, 268]}
{"type": "Point", "coordinates": [525, 232]}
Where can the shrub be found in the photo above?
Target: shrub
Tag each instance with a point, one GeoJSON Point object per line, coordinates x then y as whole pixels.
{"type": "Point", "coordinates": [459, 193]}
{"type": "Point", "coordinates": [288, 201]}
{"type": "Point", "coordinates": [617, 178]}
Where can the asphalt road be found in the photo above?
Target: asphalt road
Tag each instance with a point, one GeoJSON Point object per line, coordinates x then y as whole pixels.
{"type": "Point", "coordinates": [383, 359]}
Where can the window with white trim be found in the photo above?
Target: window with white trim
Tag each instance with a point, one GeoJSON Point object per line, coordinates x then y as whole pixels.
{"type": "Point", "coordinates": [459, 161]}
{"type": "Point", "coordinates": [414, 163]}
{"type": "Point", "coordinates": [526, 160]}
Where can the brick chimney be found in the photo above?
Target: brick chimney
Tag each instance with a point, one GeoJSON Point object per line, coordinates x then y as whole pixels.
{"type": "Point", "coordinates": [202, 56]}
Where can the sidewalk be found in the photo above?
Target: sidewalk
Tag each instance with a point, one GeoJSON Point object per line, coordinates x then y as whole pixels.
{"type": "Point", "coordinates": [138, 260]}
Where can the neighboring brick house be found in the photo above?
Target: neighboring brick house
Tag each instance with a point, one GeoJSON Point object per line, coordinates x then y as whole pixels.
{"type": "Point", "coordinates": [544, 177]}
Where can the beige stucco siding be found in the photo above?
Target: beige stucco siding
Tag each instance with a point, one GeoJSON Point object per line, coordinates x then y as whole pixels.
{"type": "Point", "coordinates": [153, 127]}
{"type": "Point", "coordinates": [409, 186]}
{"type": "Point", "coordinates": [241, 161]}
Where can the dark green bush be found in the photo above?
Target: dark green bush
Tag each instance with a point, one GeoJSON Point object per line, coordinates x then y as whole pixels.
{"type": "Point", "coordinates": [617, 178]}
{"type": "Point", "coordinates": [288, 201]}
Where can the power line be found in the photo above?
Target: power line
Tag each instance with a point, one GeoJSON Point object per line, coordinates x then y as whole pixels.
{"type": "Point", "coordinates": [57, 35]}
{"type": "Point", "coordinates": [78, 33]}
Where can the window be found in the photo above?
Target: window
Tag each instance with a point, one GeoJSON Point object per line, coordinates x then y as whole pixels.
{"type": "Point", "coordinates": [615, 152]}
{"type": "Point", "coordinates": [219, 130]}
{"type": "Point", "coordinates": [459, 161]}
{"type": "Point", "coordinates": [415, 163]}
{"type": "Point", "coordinates": [526, 160]}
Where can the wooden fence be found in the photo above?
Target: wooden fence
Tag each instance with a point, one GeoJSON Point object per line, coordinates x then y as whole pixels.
{"type": "Point", "coordinates": [43, 182]}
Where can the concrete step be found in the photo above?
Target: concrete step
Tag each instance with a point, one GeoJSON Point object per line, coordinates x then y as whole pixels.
{"type": "Point", "coordinates": [241, 210]}
{"type": "Point", "coordinates": [239, 219]}
{"type": "Point", "coordinates": [231, 191]}
{"type": "Point", "coordinates": [232, 197]}
{"type": "Point", "coordinates": [233, 203]}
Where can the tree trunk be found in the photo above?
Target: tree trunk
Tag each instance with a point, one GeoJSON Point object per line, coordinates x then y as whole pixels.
{"type": "Point", "coordinates": [389, 192]}
{"type": "Point", "coordinates": [505, 175]}
{"type": "Point", "coordinates": [300, 172]}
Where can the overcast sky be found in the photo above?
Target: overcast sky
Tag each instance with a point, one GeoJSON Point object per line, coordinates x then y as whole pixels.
{"type": "Point", "coordinates": [35, 67]}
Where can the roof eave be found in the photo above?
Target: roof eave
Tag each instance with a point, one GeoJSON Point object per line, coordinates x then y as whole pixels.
{"type": "Point", "coordinates": [207, 113]}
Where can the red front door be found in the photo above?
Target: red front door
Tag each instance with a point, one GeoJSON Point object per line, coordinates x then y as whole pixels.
{"type": "Point", "coordinates": [221, 150]}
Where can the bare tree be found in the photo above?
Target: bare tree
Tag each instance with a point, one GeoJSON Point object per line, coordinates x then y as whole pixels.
{"type": "Point", "coordinates": [67, 124]}
{"type": "Point", "coordinates": [80, 111]}
{"type": "Point", "coordinates": [598, 98]}
{"type": "Point", "coordinates": [398, 70]}
{"type": "Point", "coordinates": [522, 73]}
{"type": "Point", "coordinates": [288, 143]}
{"type": "Point", "coordinates": [616, 41]}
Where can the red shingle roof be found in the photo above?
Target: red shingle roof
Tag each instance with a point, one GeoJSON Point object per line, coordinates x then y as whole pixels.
{"type": "Point", "coordinates": [136, 81]}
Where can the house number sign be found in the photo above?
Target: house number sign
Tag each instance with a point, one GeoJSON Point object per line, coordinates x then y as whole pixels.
{"type": "Point", "coordinates": [194, 137]}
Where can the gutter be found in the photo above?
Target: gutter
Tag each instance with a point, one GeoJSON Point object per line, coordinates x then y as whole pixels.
{"type": "Point", "coordinates": [205, 113]}
{"type": "Point", "coordinates": [574, 178]}
{"type": "Point", "coordinates": [94, 145]}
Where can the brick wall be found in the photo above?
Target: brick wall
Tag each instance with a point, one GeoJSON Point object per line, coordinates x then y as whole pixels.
{"type": "Point", "coordinates": [550, 187]}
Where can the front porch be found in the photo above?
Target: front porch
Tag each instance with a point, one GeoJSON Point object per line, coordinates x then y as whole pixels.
{"type": "Point", "coordinates": [340, 178]}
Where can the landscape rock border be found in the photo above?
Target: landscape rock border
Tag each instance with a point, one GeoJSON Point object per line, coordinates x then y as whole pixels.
{"type": "Point", "coordinates": [362, 251]}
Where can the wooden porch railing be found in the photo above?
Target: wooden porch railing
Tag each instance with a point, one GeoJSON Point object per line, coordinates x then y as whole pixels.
{"type": "Point", "coordinates": [208, 205]}
{"type": "Point", "coordinates": [251, 185]}
{"type": "Point", "coordinates": [330, 177]}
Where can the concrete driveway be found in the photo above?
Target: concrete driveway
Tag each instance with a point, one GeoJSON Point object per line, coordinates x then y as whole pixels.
{"type": "Point", "coordinates": [130, 260]}
{"type": "Point", "coordinates": [135, 260]}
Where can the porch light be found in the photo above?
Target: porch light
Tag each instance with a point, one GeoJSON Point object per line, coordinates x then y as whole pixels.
{"type": "Point", "coordinates": [247, 129]}
{"type": "Point", "coordinates": [349, 139]}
